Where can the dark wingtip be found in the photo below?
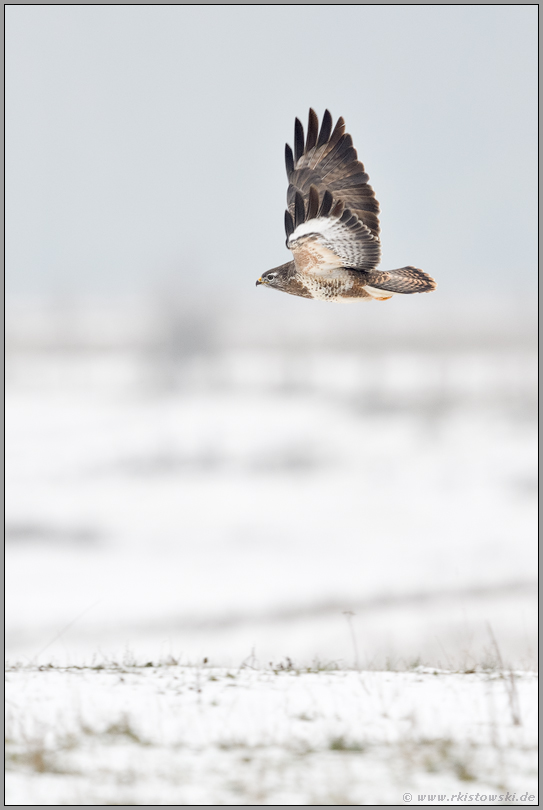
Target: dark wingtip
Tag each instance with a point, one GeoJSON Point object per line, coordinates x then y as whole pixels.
{"type": "Point", "coordinates": [326, 128]}
{"type": "Point", "coordinates": [339, 130]}
{"type": "Point", "coordinates": [299, 209]}
{"type": "Point", "coordinates": [289, 160]}
{"type": "Point", "coordinates": [312, 129]}
{"type": "Point", "coordinates": [299, 142]}
{"type": "Point", "coordinates": [313, 202]}
{"type": "Point", "coordinates": [326, 204]}
{"type": "Point", "coordinates": [289, 224]}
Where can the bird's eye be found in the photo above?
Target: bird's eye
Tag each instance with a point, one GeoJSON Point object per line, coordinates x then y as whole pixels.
{"type": "Point", "coordinates": [271, 276]}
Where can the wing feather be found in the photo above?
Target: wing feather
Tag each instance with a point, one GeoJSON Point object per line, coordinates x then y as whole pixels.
{"type": "Point", "coordinates": [326, 204]}
{"type": "Point", "coordinates": [327, 160]}
{"type": "Point", "coordinates": [299, 210]}
{"type": "Point", "coordinates": [289, 160]}
{"type": "Point", "coordinates": [312, 130]}
{"type": "Point", "coordinates": [326, 129]}
{"type": "Point", "coordinates": [326, 242]}
{"type": "Point", "coordinates": [312, 203]}
{"type": "Point", "coordinates": [289, 225]}
{"type": "Point", "coordinates": [299, 144]}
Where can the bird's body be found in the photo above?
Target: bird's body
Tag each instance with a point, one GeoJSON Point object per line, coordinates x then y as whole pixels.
{"type": "Point", "coordinates": [332, 224]}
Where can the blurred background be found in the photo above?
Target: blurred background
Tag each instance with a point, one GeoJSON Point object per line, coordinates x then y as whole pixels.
{"type": "Point", "coordinates": [196, 467]}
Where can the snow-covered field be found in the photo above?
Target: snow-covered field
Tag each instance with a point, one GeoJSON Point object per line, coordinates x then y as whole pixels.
{"type": "Point", "coordinates": [203, 736]}
{"type": "Point", "coordinates": [244, 511]}
{"type": "Point", "coordinates": [368, 508]}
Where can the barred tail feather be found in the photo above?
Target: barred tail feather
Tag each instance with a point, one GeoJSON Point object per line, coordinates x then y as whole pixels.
{"type": "Point", "coordinates": [404, 280]}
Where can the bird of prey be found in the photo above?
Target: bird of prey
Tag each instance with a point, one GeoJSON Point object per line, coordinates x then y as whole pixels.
{"type": "Point", "coordinates": [332, 224]}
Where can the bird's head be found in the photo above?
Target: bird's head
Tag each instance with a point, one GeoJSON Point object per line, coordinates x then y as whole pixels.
{"type": "Point", "coordinates": [279, 277]}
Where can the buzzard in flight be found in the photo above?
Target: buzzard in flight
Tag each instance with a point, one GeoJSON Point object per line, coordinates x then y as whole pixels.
{"type": "Point", "coordinates": [332, 224]}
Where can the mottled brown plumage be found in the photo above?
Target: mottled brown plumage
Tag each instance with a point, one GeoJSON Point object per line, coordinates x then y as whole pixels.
{"type": "Point", "coordinates": [332, 223]}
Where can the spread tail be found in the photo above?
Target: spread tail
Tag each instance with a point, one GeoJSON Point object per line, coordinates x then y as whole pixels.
{"type": "Point", "coordinates": [405, 280]}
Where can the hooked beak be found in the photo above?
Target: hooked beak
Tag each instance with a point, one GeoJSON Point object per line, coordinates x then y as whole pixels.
{"type": "Point", "coordinates": [259, 281]}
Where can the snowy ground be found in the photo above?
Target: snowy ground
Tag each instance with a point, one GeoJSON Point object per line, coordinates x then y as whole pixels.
{"type": "Point", "coordinates": [202, 735]}
{"type": "Point", "coordinates": [249, 499]}
{"type": "Point", "coordinates": [369, 508]}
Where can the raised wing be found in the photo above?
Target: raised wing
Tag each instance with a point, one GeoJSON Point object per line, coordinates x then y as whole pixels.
{"type": "Point", "coordinates": [325, 236]}
{"type": "Point", "coordinates": [328, 160]}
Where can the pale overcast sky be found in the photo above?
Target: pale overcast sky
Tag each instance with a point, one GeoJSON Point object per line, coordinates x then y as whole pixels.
{"type": "Point", "coordinates": [146, 142]}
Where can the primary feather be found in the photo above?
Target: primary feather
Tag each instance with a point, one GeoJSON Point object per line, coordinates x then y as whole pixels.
{"type": "Point", "coordinates": [329, 162]}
